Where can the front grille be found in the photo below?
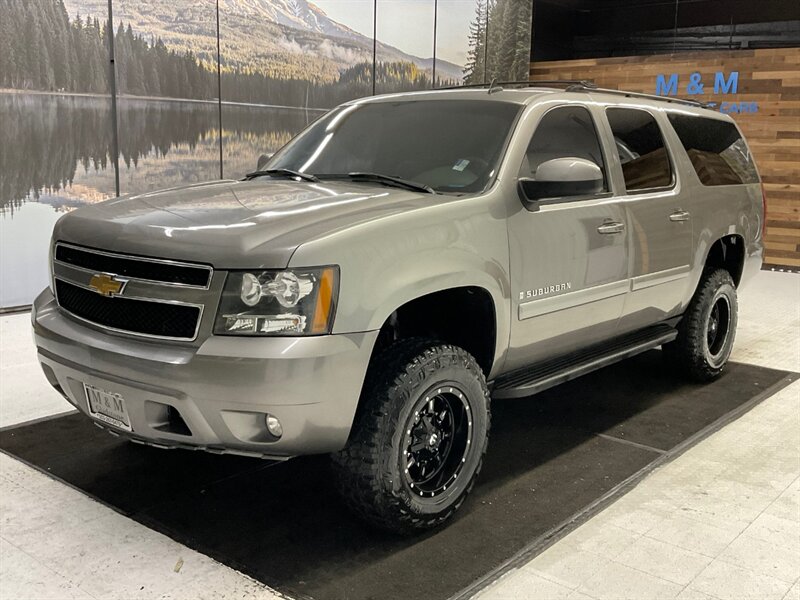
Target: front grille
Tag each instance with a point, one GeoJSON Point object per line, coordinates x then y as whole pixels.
{"type": "Point", "coordinates": [126, 314]}
{"type": "Point", "coordinates": [133, 267]}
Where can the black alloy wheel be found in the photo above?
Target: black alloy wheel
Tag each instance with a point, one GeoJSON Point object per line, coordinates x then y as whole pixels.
{"type": "Point", "coordinates": [718, 328]}
{"type": "Point", "coordinates": [437, 440]}
{"type": "Point", "coordinates": [708, 328]}
{"type": "Point", "coordinates": [419, 437]}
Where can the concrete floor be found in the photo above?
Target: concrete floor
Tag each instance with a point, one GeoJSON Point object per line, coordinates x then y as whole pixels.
{"type": "Point", "coordinates": [721, 521]}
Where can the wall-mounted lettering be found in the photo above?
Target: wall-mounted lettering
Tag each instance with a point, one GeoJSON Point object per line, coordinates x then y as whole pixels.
{"type": "Point", "coordinates": [724, 84]}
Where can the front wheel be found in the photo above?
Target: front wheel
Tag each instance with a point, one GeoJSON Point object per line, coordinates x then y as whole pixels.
{"type": "Point", "coordinates": [707, 330]}
{"type": "Point", "coordinates": [419, 439]}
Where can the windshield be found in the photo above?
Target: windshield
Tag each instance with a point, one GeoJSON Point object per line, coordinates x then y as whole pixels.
{"type": "Point", "coordinates": [449, 145]}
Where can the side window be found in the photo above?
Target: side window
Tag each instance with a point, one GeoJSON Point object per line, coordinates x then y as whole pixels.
{"type": "Point", "coordinates": [717, 150]}
{"type": "Point", "coordinates": [644, 158]}
{"type": "Point", "coordinates": [564, 132]}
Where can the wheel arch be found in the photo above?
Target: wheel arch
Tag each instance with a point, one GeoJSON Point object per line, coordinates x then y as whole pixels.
{"type": "Point", "coordinates": [452, 292]}
{"type": "Point", "coordinates": [727, 252]}
{"type": "Point", "coordinates": [465, 316]}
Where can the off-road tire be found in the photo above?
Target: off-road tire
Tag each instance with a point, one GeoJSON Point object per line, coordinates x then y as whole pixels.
{"type": "Point", "coordinates": [370, 473]}
{"type": "Point", "coordinates": [691, 353]}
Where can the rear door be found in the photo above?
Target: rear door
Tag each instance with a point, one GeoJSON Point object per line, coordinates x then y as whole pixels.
{"type": "Point", "coordinates": [658, 215]}
{"type": "Point", "coordinates": [569, 259]}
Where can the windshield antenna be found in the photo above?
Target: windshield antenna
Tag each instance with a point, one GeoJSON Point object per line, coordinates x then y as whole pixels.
{"type": "Point", "coordinates": [493, 87]}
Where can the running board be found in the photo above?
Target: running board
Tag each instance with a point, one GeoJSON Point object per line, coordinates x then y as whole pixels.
{"type": "Point", "coordinates": [536, 378]}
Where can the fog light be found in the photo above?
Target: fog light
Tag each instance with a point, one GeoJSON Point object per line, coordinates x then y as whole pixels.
{"type": "Point", "coordinates": [274, 426]}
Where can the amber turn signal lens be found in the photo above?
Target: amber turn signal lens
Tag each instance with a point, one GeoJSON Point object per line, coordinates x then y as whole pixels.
{"type": "Point", "coordinates": [324, 308]}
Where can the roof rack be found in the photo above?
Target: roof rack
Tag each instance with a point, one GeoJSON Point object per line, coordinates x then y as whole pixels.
{"type": "Point", "coordinates": [627, 94]}
{"type": "Point", "coordinates": [575, 85]}
{"type": "Point", "coordinates": [493, 85]}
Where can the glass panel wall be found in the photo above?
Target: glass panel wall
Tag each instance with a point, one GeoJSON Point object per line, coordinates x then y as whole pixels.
{"type": "Point", "coordinates": [405, 45]}
{"type": "Point", "coordinates": [508, 40]}
{"type": "Point", "coordinates": [496, 41]}
{"type": "Point", "coordinates": [167, 113]}
{"type": "Point", "coordinates": [55, 138]}
{"type": "Point", "coordinates": [459, 26]}
{"type": "Point", "coordinates": [282, 70]}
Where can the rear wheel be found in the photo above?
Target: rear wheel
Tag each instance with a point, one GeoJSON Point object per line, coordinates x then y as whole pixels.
{"type": "Point", "coordinates": [708, 328]}
{"type": "Point", "coordinates": [418, 441]}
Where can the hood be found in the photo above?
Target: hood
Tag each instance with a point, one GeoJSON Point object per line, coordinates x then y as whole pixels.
{"type": "Point", "coordinates": [233, 224]}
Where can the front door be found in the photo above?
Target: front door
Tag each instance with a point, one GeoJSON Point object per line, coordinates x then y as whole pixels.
{"type": "Point", "coordinates": [569, 259]}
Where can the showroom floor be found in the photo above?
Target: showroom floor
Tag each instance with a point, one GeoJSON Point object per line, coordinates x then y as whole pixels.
{"type": "Point", "coordinates": [722, 520]}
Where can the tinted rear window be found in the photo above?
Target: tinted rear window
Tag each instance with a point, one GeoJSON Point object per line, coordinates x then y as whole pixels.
{"type": "Point", "coordinates": [642, 154]}
{"type": "Point", "coordinates": [717, 150]}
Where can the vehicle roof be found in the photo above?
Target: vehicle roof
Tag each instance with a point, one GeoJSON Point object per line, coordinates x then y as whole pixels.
{"type": "Point", "coordinates": [531, 95]}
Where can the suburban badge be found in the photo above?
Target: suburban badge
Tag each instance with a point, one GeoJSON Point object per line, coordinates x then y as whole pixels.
{"type": "Point", "coordinates": [544, 291]}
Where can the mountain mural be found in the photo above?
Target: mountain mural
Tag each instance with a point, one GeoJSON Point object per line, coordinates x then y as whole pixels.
{"type": "Point", "coordinates": [297, 14]}
{"type": "Point", "coordinates": [279, 38]}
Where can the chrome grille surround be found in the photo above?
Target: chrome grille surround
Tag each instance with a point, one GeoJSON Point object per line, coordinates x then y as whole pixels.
{"type": "Point", "coordinates": [104, 263]}
{"type": "Point", "coordinates": [136, 289]}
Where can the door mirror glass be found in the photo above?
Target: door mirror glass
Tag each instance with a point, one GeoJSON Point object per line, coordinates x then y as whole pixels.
{"type": "Point", "coordinates": [561, 177]}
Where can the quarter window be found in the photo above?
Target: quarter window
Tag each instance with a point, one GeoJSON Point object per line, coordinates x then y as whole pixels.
{"type": "Point", "coordinates": [641, 149]}
{"type": "Point", "coordinates": [717, 150]}
{"type": "Point", "coordinates": [564, 132]}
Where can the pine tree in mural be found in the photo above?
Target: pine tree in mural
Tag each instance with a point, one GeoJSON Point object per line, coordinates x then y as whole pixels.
{"type": "Point", "coordinates": [505, 47]}
{"type": "Point", "coordinates": [521, 62]}
{"type": "Point", "coordinates": [45, 50]}
{"type": "Point", "coordinates": [475, 68]}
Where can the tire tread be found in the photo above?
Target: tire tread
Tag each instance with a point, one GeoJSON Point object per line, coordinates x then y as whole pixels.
{"type": "Point", "coordinates": [687, 351]}
{"type": "Point", "coordinates": [362, 471]}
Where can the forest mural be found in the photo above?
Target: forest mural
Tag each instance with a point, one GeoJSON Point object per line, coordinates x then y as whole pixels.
{"type": "Point", "coordinates": [72, 56]}
{"type": "Point", "coordinates": [46, 49]}
{"type": "Point", "coordinates": [499, 42]}
{"type": "Point", "coordinates": [281, 64]}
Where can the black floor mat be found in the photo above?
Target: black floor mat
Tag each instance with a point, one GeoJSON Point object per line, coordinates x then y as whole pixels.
{"type": "Point", "coordinates": [283, 525]}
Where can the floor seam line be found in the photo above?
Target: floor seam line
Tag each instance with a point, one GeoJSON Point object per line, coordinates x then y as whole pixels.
{"type": "Point", "coordinates": [612, 438]}
{"type": "Point", "coordinates": [649, 537]}
{"type": "Point", "coordinates": [46, 566]}
{"type": "Point", "coordinates": [659, 577]}
{"type": "Point", "coordinates": [719, 558]}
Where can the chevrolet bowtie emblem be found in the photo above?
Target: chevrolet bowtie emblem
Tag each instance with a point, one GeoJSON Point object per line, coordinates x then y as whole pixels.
{"type": "Point", "coordinates": [107, 285]}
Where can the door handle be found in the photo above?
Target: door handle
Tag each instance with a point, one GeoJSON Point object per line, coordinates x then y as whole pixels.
{"type": "Point", "coordinates": [612, 227]}
{"type": "Point", "coordinates": [680, 215]}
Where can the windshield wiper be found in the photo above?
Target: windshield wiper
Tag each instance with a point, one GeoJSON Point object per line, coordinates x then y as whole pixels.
{"type": "Point", "coordinates": [284, 172]}
{"type": "Point", "coordinates": [384, 179]}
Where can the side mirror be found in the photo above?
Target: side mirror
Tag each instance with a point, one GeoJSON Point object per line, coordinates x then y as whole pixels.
{"type": "Point", "coordinates": [262, 161]}
{"type": "Point", "coordinates": [560, 177]}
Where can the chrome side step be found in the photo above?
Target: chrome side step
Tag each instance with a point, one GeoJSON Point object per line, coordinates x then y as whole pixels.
{"type": "Point", "coordinates": [536, 378]}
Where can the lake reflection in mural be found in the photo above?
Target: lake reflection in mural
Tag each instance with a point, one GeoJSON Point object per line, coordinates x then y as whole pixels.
{"type": "Point", "coordinates": [56, 155]}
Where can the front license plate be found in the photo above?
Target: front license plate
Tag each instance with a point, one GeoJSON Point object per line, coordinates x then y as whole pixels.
{"type": "Point", "coordinates": [108, 407]}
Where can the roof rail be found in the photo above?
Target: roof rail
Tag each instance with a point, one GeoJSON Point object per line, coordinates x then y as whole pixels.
{"type": "Point", "coordinates": [574, 85]}
{"type": "Point", "coordinates": [627, 94]}
{"type": "Point", "coordinates": [493, 85]}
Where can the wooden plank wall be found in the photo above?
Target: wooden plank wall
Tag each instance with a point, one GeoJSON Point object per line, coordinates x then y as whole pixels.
{"type": "Point", "coordinates": [769, 77]}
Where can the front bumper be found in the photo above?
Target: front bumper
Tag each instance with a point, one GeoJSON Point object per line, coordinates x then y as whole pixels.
{"type": "Point", "coordinates": [222, 389]}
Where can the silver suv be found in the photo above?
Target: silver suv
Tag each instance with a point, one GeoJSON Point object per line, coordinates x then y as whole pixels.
{"type": "Point", "coordinates": [396, 265]}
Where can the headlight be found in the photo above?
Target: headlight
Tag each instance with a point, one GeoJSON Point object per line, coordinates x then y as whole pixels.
{"type": "Point", "coordinates": [288, 302]}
